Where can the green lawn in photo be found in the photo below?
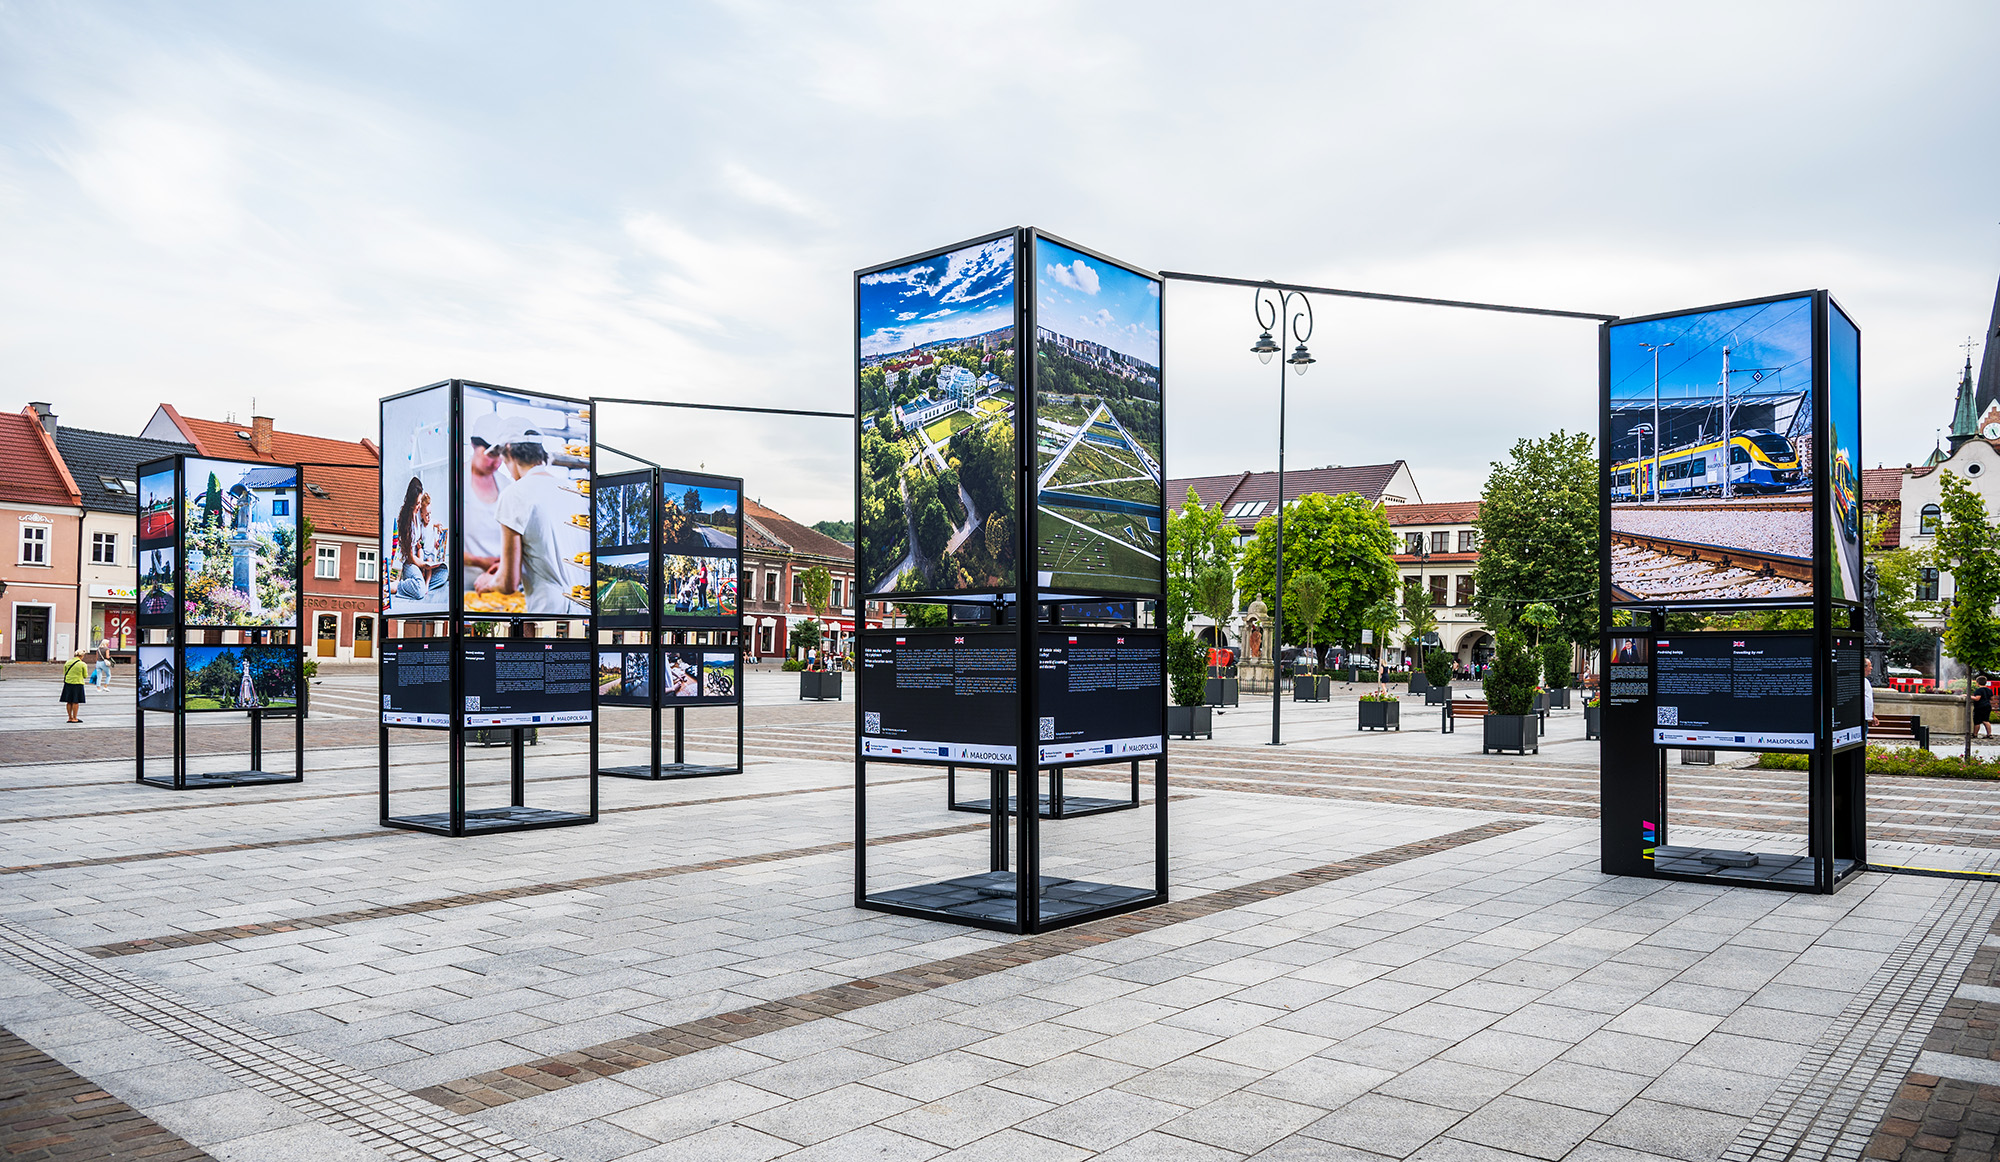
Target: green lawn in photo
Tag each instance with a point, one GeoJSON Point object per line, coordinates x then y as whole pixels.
{"type": "Point", "coordinates": [1097, 556]}
{"type": "Point", "coordinates": [622, 597]}
{"type": "Point", "coordinates": [944, 429]}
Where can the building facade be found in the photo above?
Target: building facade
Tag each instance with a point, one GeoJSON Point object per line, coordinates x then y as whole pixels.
{"type": "Point", "coordinates": [104, 467]}
{"type": "Point", "coordinates": [777, 552]}
{"type": "Point", "coordinates": [339, 494]}
{"type": "Point", "coordinates": [1439, 549]}
{"type": "Point", "coordinates": [42, 511]}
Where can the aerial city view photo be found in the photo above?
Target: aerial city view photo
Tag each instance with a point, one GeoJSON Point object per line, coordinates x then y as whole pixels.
{"type": "Point", "coordinates": [1098, 424]}
{"type": "Point", "coordinates": [938, 374]}
{"type": "Point", "coordinates": [1711, 442]}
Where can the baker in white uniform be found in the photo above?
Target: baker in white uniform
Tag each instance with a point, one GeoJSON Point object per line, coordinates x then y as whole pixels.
{"type": "Point", "coordinates": [544, 528]}
{"type": "Point", "coordinates": [484, 482]}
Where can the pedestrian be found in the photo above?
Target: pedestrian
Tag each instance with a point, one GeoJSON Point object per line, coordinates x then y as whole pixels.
{"type": "Point", "coordinates": [1982, 707]}
{"type": "Point", "coordinates": [101, 673]}
{"type": "Point", "coordinates": [74, 673]}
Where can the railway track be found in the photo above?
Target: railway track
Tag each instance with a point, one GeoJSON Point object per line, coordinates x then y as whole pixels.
{"type": "Point", "coordinates": [1655, 568]}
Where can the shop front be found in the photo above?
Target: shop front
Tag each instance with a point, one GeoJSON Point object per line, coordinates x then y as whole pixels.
{"type": "Point", "coordinates": [114, 614]}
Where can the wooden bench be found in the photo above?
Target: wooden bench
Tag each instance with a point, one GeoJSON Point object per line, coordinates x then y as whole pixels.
{"type": "Point", "coordinates": [1459, 708]}
{"type": "Point", "coordinates": [1902, 727]}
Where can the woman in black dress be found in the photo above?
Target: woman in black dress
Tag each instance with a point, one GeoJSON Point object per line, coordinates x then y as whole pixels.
{"type": "Point", "coordinates": [74, 672]}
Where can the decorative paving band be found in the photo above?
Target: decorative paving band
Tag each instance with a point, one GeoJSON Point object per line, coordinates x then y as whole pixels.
{"type": "Point", "coordinates": [338, 1096]}
{"type": "Point", "coordinates": [48, 1110]}
{"type": "Point", "coordinates": [1948, 1106]}
{"type": "Point", "coordinates": [501, 1086]}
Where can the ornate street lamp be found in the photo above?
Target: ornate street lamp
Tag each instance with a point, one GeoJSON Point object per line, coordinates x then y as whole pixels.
{"type": "Point", "coordinates": [1289, 313]}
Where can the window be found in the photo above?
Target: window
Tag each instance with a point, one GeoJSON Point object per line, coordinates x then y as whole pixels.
{"type": "Point", "coordinates": [1413, 544]}
{"type": "Point", "coordinates": [1927, 520]}
{"type": "Point", "coordinates": [837, 585]}
{"type": "Point", "coordinates": [1247, 508]}
{"type": "Point", "coordinates": [1465, 589]}
{"type": "Point", "coordinates": [1441, 542]}
{"type": "Point", "coordinates": [104, 548]}
{"type": "Point", "coordinates": [1468, 540]}
{"type": "Point", "coordinates": [1437, 591]}
{"type": "Point", "coordinates": [34, 544]}
{"type": "Point", "coordinates": [121, 487]}
{"type": "Point", "coordinates": [1927, 585]}
{"type": "Point", "coordinates": [367, 564]}
{"type": "Point", "coordinates": [771, 588]}
{"type": "Point", "coordinates": [326, 561]}
{"type": "Point", "coordinates": [281, 507]}
{"type": "Point", "coordinates": [798, 589]}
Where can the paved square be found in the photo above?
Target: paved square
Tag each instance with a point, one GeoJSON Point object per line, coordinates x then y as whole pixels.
{"type": "Point", "coordinates": [1377, 947]}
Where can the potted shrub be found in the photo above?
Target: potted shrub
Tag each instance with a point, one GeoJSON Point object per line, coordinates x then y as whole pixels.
{"type": "Point", "coordinates": [1556, 673]}
{"type": "Point", "coordinates": [1214, 591]}
{"type": "Point", "coordinates": [1593, 717]}
{"type": "Point", "coordinates": [1187, 672]}
{"type": "Point", "coordinates": [1381, 711]}
{"type": "Point", "coordinates": [1510, 721]}
{"type": "Point", "coordinates": [1437, 671]}
{"type": "Point", "coordinates": [1308, 600]}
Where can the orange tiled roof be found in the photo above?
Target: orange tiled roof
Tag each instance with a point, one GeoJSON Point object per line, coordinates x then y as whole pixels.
{"type": "Point", "coordinates": [1446, 512]}
{"type": "Point", "coordinates": [35, 472]}
{"type": "Point", "coordinates": [348, 471]}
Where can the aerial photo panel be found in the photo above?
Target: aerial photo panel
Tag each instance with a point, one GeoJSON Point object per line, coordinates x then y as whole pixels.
{"type": "Point", "coordinates": [1709, 461]}
{"type": "Point", "coordinates": [1098, 427]}
{"type": "Point", "coordinates": [939, 368]}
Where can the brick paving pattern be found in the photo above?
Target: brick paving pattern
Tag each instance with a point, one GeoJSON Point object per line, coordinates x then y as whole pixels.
{"type": "Point", "coordinates": [1937, 1118]}
{"type": "Point", "coordinates": [49, 1112]}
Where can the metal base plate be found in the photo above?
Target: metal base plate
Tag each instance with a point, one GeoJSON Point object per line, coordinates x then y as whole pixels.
{"type": "Point", "coordinates": [990, 898]}
{"type": "Point", "coordinates": [668, 771]}
{"type": "Point", "coordinates": [221, 779]}
{"type": "Point", "coordinates": [1072, 806]}
{"type": "Point", "coordinates": [491, 819]}
{"type": "Point", "coordinates": [1778, 871]}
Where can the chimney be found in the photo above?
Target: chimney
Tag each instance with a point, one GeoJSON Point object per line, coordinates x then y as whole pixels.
{"type": "Point", "coordinates": [47, 417]}
{"type": "Point", "coordinates": [260, 434]}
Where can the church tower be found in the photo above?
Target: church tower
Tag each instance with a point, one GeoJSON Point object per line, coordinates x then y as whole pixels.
{"type": "Point", "coordinates": [1964, 419]}
{"type": "Point", "coordinates": [1989, 364]}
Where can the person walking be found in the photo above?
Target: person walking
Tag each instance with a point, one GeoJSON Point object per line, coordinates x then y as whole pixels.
{"type": "Point", "coordinates": [101, 672]}
{"type": "Point", "coordinates": [1982, 707]}
{"type": "Point", "coordinates": [74, 673]}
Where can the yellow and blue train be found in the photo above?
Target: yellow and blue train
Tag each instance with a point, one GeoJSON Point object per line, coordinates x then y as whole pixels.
{"type": "Point", "coordinates": [1760, 460]}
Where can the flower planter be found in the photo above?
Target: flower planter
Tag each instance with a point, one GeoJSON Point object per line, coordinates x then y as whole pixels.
{"type": "Point", "coordinates": [1189, 721]}
{"type": "Point", "coordinates": [1381, 716]}
{"type": "Point", "coordinates": [1312, 688]}
{"type": "Point", "coordinates": [1541, 702]}
{"type": "Point", "coordinates": [1515, 732]}
{"type": "Point", "coordinates": [819, 685]}
{"type": "Point", "coordinates": [1437, 695]}
{"type": "Point", "coordinates": [1223, 692]}
{"type": "Point", "coordinates": [1559, 699]}
{"type": "Point", "coordinates": [1418, 682]}
{"type": "Point", "coordinates": [1593, 722]}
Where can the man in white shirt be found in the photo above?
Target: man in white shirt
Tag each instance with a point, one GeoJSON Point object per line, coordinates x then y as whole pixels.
{"type": "Point", "coordinates": [544, 525]}
{"type": "Point", "coordinates": [1868, 691]}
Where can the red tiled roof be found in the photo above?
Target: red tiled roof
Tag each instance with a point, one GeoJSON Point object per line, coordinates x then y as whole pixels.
{"type": "Point", "coordinates": [1368, 480]}
{"type": "Point", "coordinates": [1446, 512]}
{"type": "Point", "coordinates": [1882, 484]}
{"type": "Point", "coordinates": [350, 505]}
{"type": "Point", "coordinates": [35, 472]}
{"type": "Point", "coordinates": [220, 440]}
{"type": "Point", "coordinates": [1438, 558]}
{"type": "Point", "coordinates": [773, 531]}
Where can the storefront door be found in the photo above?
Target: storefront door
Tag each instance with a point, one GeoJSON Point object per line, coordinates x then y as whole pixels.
{"type": "Point", "coordinates": [364, 636]}
{"type": "Point", "coordinates": [31, 634]}
{"type": "Point", "coordinates": [328, 634]}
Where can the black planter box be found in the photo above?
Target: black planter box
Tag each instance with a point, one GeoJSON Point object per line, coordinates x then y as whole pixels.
{"type": "Point", "coordinates": [1189, 721]}
{"type": "Point", "coordinates": [1559, 699]}
{"type": "Point", "coordinates": [1312, 688]}
{"type": "Point", "coordinates": [1418, 682]}
{"type": "Point", "coordinates": [1381, 716]}
{"type": "Point", "coordinates": [819, 685]}
{"type": "Point", "coordinates": [1223, 692]}
{"type": "Point", "coordinates": [1516, 732]}
{"type": "Point", "coordinates": [1593, 721]}
{"type": "Point", "coordinates": [1541, 702]}
{"type": "Point", "coordinates": [1437, 695]}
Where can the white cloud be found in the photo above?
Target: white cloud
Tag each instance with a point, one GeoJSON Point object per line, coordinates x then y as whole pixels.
{"type": "Point", "coordinates": [1077, 275]}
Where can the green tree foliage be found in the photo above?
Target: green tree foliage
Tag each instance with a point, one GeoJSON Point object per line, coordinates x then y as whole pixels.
{"type": "Point", "coordinates": [816, 586]}
{"type": "Point", "coordinates": [1556, 658]}
{"type": "Point", "coordinates": [1214, 591]}
{"type": "Point", "coordinates": [985, 458]}
{"type": "Point", "coordinates": [1346, 539]}
{"type": "Point", "coordinates": [924, 615]}
{"type": "Point", "coordinates": [1305, 595]}
{"type": "Point", "coordinates": [691, 500]}
{"type": "Point", "coordinates": [805, 636]}
{"type": "Point", "coordinates": [947, 490]}
{"type": "Point", "coordinates": [1187, 669]}
{"type": "Point", "coordinates": [933, 528]}
{"type": "Point", "coordinates": [1438, 667]}
{"type": "Point", "coordinates": [1419, 614]}
{"type": "Point", "coordinates": [839, 530]}
{"type": "Point", "coordinates": [1969, 546]}
{"type": "Point", "coordinates": [1510, 680]}
{"type": "Point", "coordinates": [212, 502]}
{"type": "Point", "coordinates": [1198, 539]}
{"type": "Point", "coordinates": [1539, 617]}
{"type": "Point", "coordinates": [1538, 534]}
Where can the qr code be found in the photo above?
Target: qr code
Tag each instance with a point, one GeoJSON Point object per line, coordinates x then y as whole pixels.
{"type": "Point", "coordinates": [472, 701]}
{"type": "Point", "coordinates": [871, 722]}
{"type": "Point", "coordinates": [1668, 716]}
{"type": "Point", "coordinates": [386, 699]}
{"type": "Point", "coordinates": [1048, 729]}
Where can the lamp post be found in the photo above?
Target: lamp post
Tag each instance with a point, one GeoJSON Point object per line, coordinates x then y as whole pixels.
{"type": "Point", "coordinates": [1290, 314]}
{"type": "Point", "coordinates": [1423, 555]}
{"type": "Point", "coordinates": [1656, 348]}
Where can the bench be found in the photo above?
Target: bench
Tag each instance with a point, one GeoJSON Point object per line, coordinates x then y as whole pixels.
{"type": "Point", "coordinates": [1462, 708]}
{"type": "Point", "coordinates": [1900, 726]}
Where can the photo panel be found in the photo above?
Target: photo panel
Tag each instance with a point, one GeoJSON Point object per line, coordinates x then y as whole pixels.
{"type": "Point", "coordinates": [527, 505]}
{"type": "Point", "coordinates": [624, 511]}
{"type": "Point", "coordinates": [157, 584]}
{"type": "Point", "coordinates": [158, 678]}
{"type": "Point", "coordinates": [239, 541]}
{"type": "Point", "coordinates": [936, 405]}
{"type": "Point", "coordinates": [1709, 460]}
{"type": "Point", "coordinates": [1843, 405]}
{"type": "Point", "coordinates": [698, 590]}
{"type": "Point", "coordinates": [416, 503]}
{"type": "Point", "coordinates": [159, 504]}
{"type": "Point", "coordinates": [1099, 429]}
{"type": "Point", "coordinates": [719, 675]}
{"type": "Point", "coordinates": [625, 676]}
{"type": "Point", "coordinates": [625, 588]}
{"type": "Point", "coordinates": [240, 677]}
{"type": "Point", "coordinates": [697, 517]}
{"type": "Point", "coordinates": [691, 675]}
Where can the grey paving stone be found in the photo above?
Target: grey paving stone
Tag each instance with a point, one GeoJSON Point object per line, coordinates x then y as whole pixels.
{"type": "Point", "coordinates": [1584, 1087]}
{"type": "Point", "coordinates": [1532, 1128]}
{"type": "Point", "coordinates": [1450, 1084]}
{"type": "Point", "coordinates": [1674, 1131]}
{"type": "Point", "coordinates": [1066, 1078]}
{"type": "Point", "coordinates": [829, 1114]}
{"type": "Point", "coordinates": [936, 1077]}
{"type": "Point", "coordinates": [1706, 1087]}
{"type": "Point", "coordinates": [1384, 1124]}
{"type": "Point", "coordinates": [1322, 1082]}
{"type": "Point", "coordinates": [1152, 1045]}
{"type": "Point", "coordinates": [695, 1110]}
{"type": "Point", "coordinates": [1192, 1081]}
{"type": "Point", "coordinates": [875, 1144]}
{"type": "Point", "coordinates": [1244, 1122]}
{"type": "Point", "coordinates": [724, 1143]}
{"type": "Point", "coordinates": [1161, 1147]}
{"type": "Point", "coordinates": [1101, 1120]}
{"type": "Point", "coordinates": [1387, 1049]}
{"type": "Point", "coordinates": [966, 1116]}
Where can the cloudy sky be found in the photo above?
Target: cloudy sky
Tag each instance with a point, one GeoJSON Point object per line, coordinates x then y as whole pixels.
{"type": "Point", "coordinates": [317, 205]}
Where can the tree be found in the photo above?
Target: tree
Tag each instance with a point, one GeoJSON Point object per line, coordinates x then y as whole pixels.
{"type": "Point", "coordinates": [1346, 539]}
{"type": "Point", "coordinates": [1538, 535]}
{"type": "Point", "coordinates": [816, 586]}
{"type": "Point", "coordinates": [1510, 681]}
{"type": "Point", "coordinates": [1421, 616]}
{"type": "Point", "coordinates": [1306, 596]}
{"type": "Point", "coordinates": [691, 500]}
{"type": "Point", "coordinates": [805, 636]}
{"type": "Point", "coordinates": [933, 529]}
{"type": "Point", "coordinates": [212, 502]}
{"type": "Point", "coordinates": [1969, 546]}
{"type": "Point", "coordinates": [1213, 592]}
{"type": "Point", "coordinates": [1198, 539]}
{"type": "Point", "coordinates": [1556, 658]}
